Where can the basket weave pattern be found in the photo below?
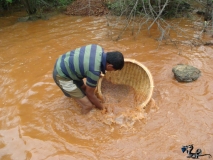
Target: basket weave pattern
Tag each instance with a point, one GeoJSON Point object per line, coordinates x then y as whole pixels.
{"type": "Point", "coordinates": [135, 75]}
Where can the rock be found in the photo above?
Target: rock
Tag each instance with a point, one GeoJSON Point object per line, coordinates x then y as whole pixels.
{"type": "Point", "coordinates": [24, 19]}
{"type": "Point", "coordinates": [185, 73]}
{"type": "Point", "coordinates": [33, 18]}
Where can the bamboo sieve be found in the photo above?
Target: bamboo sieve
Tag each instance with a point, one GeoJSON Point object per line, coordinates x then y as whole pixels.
{"type": "Point", "coordinates": [135, 75]}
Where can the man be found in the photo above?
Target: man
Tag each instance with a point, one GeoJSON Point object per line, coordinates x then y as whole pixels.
{"type": "Point", "coordinates": [85, 62]}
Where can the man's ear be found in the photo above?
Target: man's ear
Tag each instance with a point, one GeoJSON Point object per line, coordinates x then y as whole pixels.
{"type": "Point", "coordinates": [109, 67]}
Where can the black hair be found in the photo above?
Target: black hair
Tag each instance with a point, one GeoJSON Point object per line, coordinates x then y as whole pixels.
{"type": "Point", "coordinates": [116, 59]}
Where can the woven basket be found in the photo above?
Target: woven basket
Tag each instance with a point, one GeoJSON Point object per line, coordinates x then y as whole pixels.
{"type": "Point", "coordinates": [135, 75]}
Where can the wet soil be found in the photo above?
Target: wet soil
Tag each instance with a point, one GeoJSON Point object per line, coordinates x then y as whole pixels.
{"type": "Point", "coordinates": [77, 8]}
{"type": "Point", "coordinates": [87, 8]}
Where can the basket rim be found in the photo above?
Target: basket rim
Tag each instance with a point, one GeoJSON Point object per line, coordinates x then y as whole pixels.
{"type": "Point", "coordinates": [150, 79]}
{"type": "Point", "coordinates": [149, 95]}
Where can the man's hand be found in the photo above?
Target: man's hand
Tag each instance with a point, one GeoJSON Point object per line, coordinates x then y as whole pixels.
{"type": "Point", "coordinates": [104, 111]}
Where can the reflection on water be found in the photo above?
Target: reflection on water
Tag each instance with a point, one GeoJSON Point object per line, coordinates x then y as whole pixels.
{"type": "Point", "coordinates": [38, 122]}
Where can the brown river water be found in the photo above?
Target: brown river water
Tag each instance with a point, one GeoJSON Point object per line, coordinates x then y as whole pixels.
{"type": "Point", "coordinates": [38, 122]}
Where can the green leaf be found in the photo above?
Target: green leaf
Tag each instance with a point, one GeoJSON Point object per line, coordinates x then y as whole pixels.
{"type": "Point", "coordinates": [9, 1]}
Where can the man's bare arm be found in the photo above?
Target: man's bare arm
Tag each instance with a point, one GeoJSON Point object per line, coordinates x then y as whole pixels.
{"type": "Point", "coordinates": [90, 93]}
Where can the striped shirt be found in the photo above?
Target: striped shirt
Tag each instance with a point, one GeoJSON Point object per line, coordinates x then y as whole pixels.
{"type": "Point", "coordinates": [84, 62]}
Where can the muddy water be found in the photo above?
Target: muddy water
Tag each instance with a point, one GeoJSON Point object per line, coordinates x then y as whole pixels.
{"type": "Point", "coordinates": [38, 122]}
{"type": "Point", "coordinates": [118, 98]}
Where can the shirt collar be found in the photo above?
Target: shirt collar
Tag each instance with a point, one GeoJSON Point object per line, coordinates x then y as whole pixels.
{"type": "Point", "coordinates": [103, 63]}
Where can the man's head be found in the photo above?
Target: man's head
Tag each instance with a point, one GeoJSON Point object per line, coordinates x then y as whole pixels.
{"type": "Point", "coordinates": [115, 61]}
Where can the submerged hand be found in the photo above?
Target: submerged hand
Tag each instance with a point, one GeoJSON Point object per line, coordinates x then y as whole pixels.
{"type": "Point", "coordinates": [104, 111]}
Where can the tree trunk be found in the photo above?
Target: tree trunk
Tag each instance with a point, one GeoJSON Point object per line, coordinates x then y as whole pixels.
{"type": "Point", "coordinates": [30, 6]}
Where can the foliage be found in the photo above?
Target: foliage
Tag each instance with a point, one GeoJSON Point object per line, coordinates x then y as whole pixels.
{"type": "Point", "coordinates": [35, 6]}
{"type": "Point", "coordinates": [9, 1]}
{"type": "Point", "coordinates": [120, 6]}
{"type": "Point", "coordinates": [135, 16]}
{"type": "Point", "coordinates": [59, 3]}
{"type": "Point", "coordinates": [124, 7]}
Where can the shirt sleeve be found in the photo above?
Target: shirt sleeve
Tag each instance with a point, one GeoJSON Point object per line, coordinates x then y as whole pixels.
{"type": "Point", "coordinates": [92, 78]}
